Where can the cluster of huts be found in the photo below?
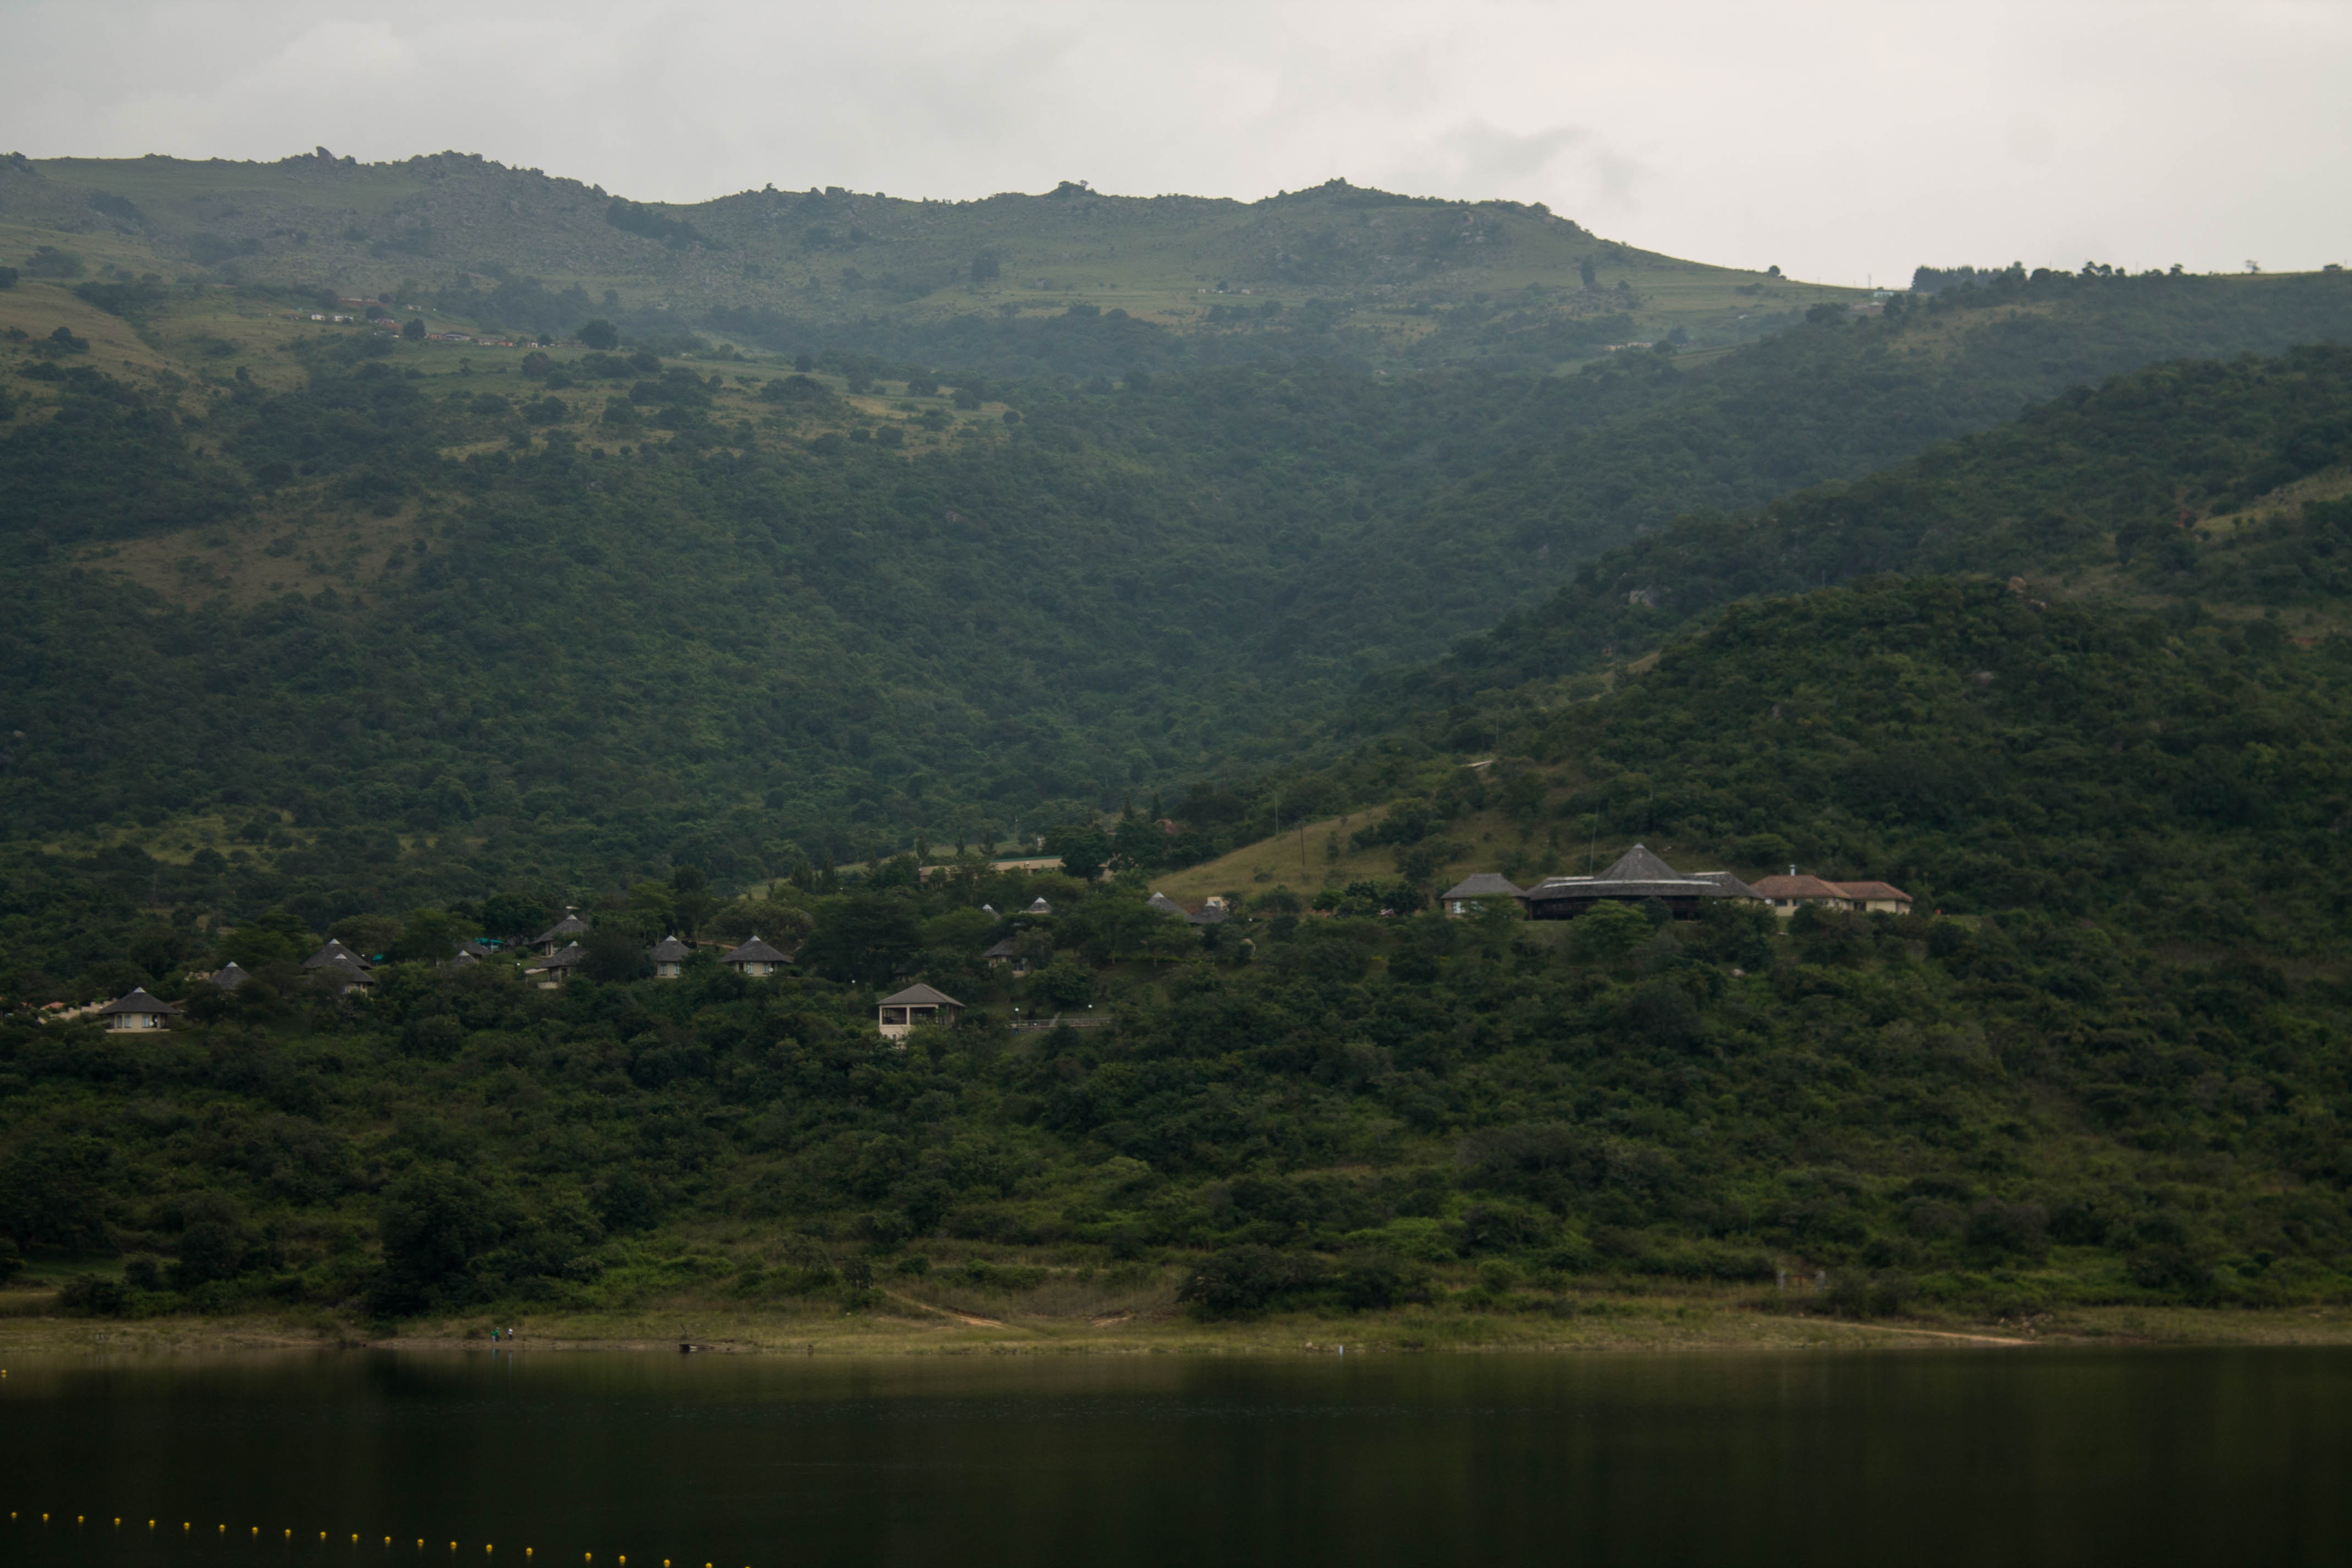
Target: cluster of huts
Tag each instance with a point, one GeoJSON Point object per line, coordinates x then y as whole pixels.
{"type": "Point", "coordinates": [559, 955]}
{"type": "Point", "coordinates": [1638, 875]}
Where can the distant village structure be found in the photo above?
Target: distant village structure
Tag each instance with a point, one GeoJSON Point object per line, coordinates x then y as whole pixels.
{"type": "Point", "coordinates": [136, 1012]}
{"type": "Point", "coordinates": [1460, 898]}
{"type": "Point", "coordinates": [755, 959]}
{"type": "Point", "coordinates": [901, 1010]}
{"type": "Point", "coordinates": [1637, 876]}
{"type": "Point", "coordinates": [1640, 875]}
{"type": "Point", "coordinates": [1787, 894]}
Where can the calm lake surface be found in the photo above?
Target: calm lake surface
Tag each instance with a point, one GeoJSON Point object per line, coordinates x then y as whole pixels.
{"type": "Point", "coordinates": [2048, 1456]}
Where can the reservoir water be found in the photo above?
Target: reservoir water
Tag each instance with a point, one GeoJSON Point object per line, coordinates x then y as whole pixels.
{"type": "Point", "coordinates": [554, 1460]}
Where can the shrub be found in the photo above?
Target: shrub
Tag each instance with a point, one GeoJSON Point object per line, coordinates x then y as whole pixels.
{"type": "Point", "coordinates": [88, 1296]}
{"type": "Point", "coordinates": [1241, 1281]}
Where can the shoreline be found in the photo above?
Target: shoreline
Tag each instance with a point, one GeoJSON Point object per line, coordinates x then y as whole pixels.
{"type": "Point", "coordinates": [1618, 1326]}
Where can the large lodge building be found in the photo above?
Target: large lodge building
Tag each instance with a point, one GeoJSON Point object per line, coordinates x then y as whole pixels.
{"type": "Point", "coordinates": [1639, 875]}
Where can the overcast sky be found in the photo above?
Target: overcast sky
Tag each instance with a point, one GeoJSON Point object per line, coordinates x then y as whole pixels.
{"type": "Point", "coordinates": [1840, 142]}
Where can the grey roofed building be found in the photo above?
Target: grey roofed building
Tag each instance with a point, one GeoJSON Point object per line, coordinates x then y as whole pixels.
{"type": "Point", "coordinates": [755, 958]}
{"type": "Point", "coordinates": [901, 1010]}
{"type": "Point", "coordinates": [474, 949]}
{"type": "Point", "coordinates": [989, 910]}
{"type": "Point", "coordinates": [669, 956]}
{"type": "Point", "coordinates": [1211, 913]}
{"type": "Point", "coordinates": [1009, 948]}
{"type": "Point", "coordinates": [1478, 885]}
{"type": "Point", "coordinates": [571, 928]}
{"type": "Point", "coordinates": [1636, 877]}
{"type": "Point", "coordinates": [1162, 904]}
{"type": "Point", "coordinates": [137, 1011]}
{"type": "Point", "coordinates": [558, 966]}
{"type": "Point", "coordinates": [1040, 907]}
{"type": "Point", "coordinates": [333, 953]}
{"type": "Point", "coordinates": [228, 976]}
{"type": "Point", "coordinates": [352, 969]}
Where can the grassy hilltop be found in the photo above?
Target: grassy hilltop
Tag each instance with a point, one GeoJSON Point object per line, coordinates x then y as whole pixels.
{"type": "Point", "coordinates": [1378, 276]}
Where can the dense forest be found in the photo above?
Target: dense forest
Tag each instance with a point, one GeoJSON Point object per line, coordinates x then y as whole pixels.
{"type": "Point", "coordinates": [2182, 481]}
{"type": "Point", "coordinates": [793, 645]}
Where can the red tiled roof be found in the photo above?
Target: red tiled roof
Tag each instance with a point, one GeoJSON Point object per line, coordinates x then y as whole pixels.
{"type": "Point", "coordinates": [1881, 890]}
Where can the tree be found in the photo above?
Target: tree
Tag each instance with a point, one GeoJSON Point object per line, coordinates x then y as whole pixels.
{"type": "Point", "coordinates": [415, 331]}
{"type": "Point", "coordinates": [514, 914]}
{"type": "Point", "coordinates": [985, 267]}
{"type": "Point", "coordinates": [429, 936]}
{"type": "Point", "coordinates": [614, 953]}
{"type": "Point", "coordinates": [1082, 847]}
{"type": "Point", "coordinates": [862, 938]}
{"type": "Point", "coordinates": [600, 334]}
{"type": "Point", "coordinates": [433, 1223]}
{"type": "Point", "coordinates": [54, 1194]}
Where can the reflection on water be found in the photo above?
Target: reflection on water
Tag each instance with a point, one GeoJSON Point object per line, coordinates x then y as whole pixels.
{"type": "Point", "coordinates": [2033, 1457]}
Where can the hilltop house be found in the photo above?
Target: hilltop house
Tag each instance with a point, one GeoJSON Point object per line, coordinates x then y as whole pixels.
{"type": "Point", "coordinates": [342, 961]}
{"type": "Point", "coordinates": [901, 1010]}
{"type": "Point", "coordinates": [669, 956]}
{"type": "Point", "coordinates": [1637, 876]}
{"type": "Point", "coordinates": [334, 953]}
{"type": "Point", "coordinates": [136, 1011]}
{"type": "Point", "coordinates": [571, 928]}
{"type": "Point", "coordinates": [558, 966]}
{"type": "Point", "coordinates": [1458, 898]}
{"type": "Point", "coordinates": [755, 959]}
{"type": "Point", "coordinates": [1787, 894]}
{"type": "Point", "coordinates": [228, 976]}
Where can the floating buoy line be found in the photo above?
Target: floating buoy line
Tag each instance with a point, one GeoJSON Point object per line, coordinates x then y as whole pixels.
{"type": "Point", "coordinates": [157, 1529]}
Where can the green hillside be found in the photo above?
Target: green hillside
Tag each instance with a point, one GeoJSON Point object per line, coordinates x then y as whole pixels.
{"type": "Point", "coordinates": [2219, 485]}
{"type": "Point", "coordinates": [2123, 1082]}
{"type": "Point", "coordinates": [440, 617]}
